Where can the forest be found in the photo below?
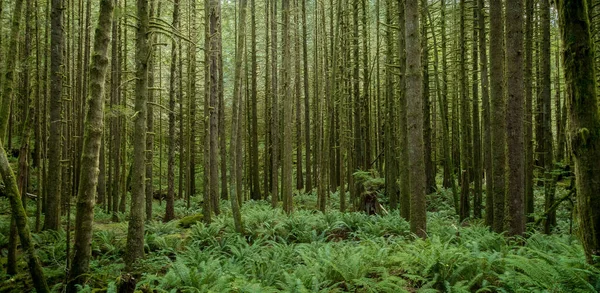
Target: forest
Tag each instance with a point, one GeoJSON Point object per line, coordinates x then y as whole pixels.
{"type": "Point", "coordinates": [299, 146]}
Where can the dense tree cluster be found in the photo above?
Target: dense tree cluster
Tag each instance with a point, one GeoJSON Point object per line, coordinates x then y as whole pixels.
{"type": "Point", "coordinates": [263, 100]}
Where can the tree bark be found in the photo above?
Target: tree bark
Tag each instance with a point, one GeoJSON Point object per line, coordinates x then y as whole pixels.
{"type": "Point", "coordinates": [584, 126]}
{"type": "Point", "coordinates": [477, 166]}
{"type": "Point", "coordinates": [288, 101]}
{"type": "Point", "coordinates": [170, 207]}
{"type": "Point", "coordinates": [52, 218]}
{"type": "Point", "coordinates": [254, 167]}
{"type": "Point", "coordinates": [274, 110]}
{"type": "Point", "coordinates": [309, 182]}
{"type": "Point", "coordinates": [465, 123]}
{"type": "Point", "coordinates": [135, 233]}
{"type": "Point", "coordinates": [414, 103]}
{"type": "Point", "coordinates": [238, 91]}
{"type": "Point", "coordinates": [92, 142]}
{"type": "Point", "coordinates": [515, 114]}
{"type": "Point", "coordinates": [528, 78]}
{"type": "Point", "coordinates": [405, 191]}
{"type": "Point", "coordinates": [498, 113]}
{"type": "Point", "coordinates": [545, 98]}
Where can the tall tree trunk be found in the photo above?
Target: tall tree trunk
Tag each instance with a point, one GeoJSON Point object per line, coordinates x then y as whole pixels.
{"type": "Point", "coordinates": [298, 98]}
{"type": "Point", "coordinates": [135, 233]}
{"type": "Point", "coordinates": [254, 167]}
{"type": "Point", "coordinates": [448, 167]}
{"type": "Point", "coordinates": [115, 122]}
{"type": "Point", "coordinates": [267, 170]}
{"type": "Point", "coordinates": [405, 191]}
{"type": "Point", "coordinates": [221, 124]}
{"type": "Point", "coordinates": [515, 114]}
{"type": "Point", "coordinates": [193, 148]}
{"type": "Point", "coordinates": [274, 110]}
{"type": "Point", "coordinates": [465, 123]}
{"type": "Point", "coordinates": [286, 152]}
{"type": "Point", "coordinates": [236, 128]}
{"type": "Point", "coordinates": [560, 141]}
{"type": "Point", "coordinates": [487, 139]}
{"type": "Point", "coordinates": [414, 103]}
{"type": "Point", "coordinates": [150, 136]}
{"type": "Point", "coordinates": [52, 218]}
{"type": "Point", "coordinates": [91, 147]}
{"type": "Point", "coordinates": [545, 97]}
{"type": "Point", "coordinates": [170, 208]}
{"type": "Point", "coordinates": [427, 132]}
{"type": "Point", "coordinates": [498, 112]}
{"type": "Point", "coordinates": [366, 118]}
{"type": "Point", "coordinates": [584, 126]}
{"type": "Point", "coordinates": [307, 144]}
{"type": "Point", "coordinates": [477, 166]}
{"type": "Point", "coordinates": [391, 137]}
{"type": "Point", "coordinates": [528, 79]}
{"type": "Point", "coordinates": [213, 21]}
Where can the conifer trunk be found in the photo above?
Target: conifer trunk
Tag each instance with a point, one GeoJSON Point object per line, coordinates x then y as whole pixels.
{"type": "Point", "coordinates": [515, 114]}
{"type": "Point", "coordinates": [584, 126]}
{"type": "Point", "coordinates": [92, 141]}
{"type": "Point", "coordinates": [135, 233]}
{"type": "Point", "coordinates": [414, 103]}
{"type": "Point", "coordinates": [497, 113]}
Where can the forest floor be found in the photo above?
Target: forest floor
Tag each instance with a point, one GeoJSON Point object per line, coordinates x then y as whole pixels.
{"type": "Point", "coordinates": [313, 252]}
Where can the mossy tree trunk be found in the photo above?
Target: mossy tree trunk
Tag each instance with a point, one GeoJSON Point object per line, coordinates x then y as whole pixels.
{"type": "Point", "coordinates": [92, 141]}
{"type": "Point", "coordinates": [135, 233]}
{"type": "Point", "coordinates": [173, 88]}
{"type": "Point", "coordinates": [584, 126]}
{"type": "Point", "coordinates": [52, 217]}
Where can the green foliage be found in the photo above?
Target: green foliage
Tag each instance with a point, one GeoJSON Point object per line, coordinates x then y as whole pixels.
{"type": "Point", "coordinates": [309, 251]}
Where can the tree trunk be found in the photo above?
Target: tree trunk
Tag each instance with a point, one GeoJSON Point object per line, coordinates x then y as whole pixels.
{"type": "Point", "coordinates": [465, 123]}
{"type": "Point", "coordinates": [254, 167]}
{"type": "Point", "coordinates": [238, 91]}
{"type": "Point", "coordinates": [391, 137]}
{"type": "Point", "coordinates": [309, 182]}
{"type": "Point", "coordinates": [286, 152]}
{"type": "Point", "coordinates": [487, 139]}
{"type": "Point", "coordinates": [515, 114]}
{"type": "Point", "coordinates": [193, 148]}
{"type": "Point", "coordinates": [214, 55]}
{"type": "Point", "coordinates": [405, 191]}
{"type": "Point", "coordinates": [170, 208]}
{"type": "Point", "coordinates": [477, 166]}
{"type": "Point", "coordinates": [298, 99]}
{"type": "Point", "coordinates": [584, 126]}
{"type": "Point", "coordinates": [545, 97]}
{"type": "Point", "coordinates": [91, 148]}
{"type": "Point", "coordinates": [528, 79]}
{"type": "Point", "coordinates": [52, 218]}
{"type": "Point", "coordinates": [274, 110]}
{"type": "Point", "coordinates": [497, 113]}
{"type": "Point", "coordinates": [414, 103]}
{"type": "Point", "coordinates": [427, 132]}
{"type": "Point", "coordinates": [135, 233]}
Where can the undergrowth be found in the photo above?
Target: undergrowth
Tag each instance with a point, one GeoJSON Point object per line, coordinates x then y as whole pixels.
{"type": "Point", "coordinates": [309, 251]}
